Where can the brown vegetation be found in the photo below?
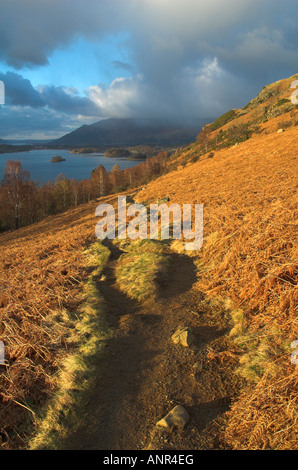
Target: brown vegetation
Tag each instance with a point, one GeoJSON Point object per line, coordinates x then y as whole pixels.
{"type": "Point", "coordinates": [249, 257]}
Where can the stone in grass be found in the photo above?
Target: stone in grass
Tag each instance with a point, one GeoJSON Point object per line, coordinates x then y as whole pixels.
{"type": "Point", "coordinates": [177, 417]}
{"type": "Point", "coordinates": [183, 336]}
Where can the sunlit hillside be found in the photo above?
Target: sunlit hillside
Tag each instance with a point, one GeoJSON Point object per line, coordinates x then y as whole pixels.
{"type": "Point", "coordinates": [249, 257]}
{"type": "Point", "coordinates": [248, 262]}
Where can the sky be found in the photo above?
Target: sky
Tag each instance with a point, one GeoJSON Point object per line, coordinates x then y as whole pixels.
{"type": "Point", "coordinates": [65, 63]}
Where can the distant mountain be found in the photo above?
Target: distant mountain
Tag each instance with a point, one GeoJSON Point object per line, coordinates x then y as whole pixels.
{"type": "Point", "coordinates": [128, 132]}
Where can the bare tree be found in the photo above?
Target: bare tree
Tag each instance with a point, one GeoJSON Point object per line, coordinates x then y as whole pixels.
{"type": "Point", "coordinates": [16, 185]}
{"type": "Point", "coordinates": [203, 137]}
{"type": "Point", "coordinates": [116, 176]}
{"type": "Point", "coordinates": [99, 178]}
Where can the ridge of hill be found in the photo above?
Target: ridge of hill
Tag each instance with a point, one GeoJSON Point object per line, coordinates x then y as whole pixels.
{"type": "Point", "coordinates": [247, 269]}
{"type": "Point", "coordinates": [128, 132]}
{"type": "Point", "coordinates": [272, 110]}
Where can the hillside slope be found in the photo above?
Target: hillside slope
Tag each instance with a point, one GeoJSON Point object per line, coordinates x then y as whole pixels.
{"type": "Point", "coordinates": [271, 111]}
{"type": "Point", "coordinates": [249, 257]}
{"type": "Point", "coordinates": [248, 265]}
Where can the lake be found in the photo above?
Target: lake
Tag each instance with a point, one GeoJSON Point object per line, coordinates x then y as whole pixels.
{"type": "Point", "coordinates": [77, 166]}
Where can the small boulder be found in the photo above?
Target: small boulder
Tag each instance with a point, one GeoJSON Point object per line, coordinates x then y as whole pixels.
{"type": "Point", "coordinates": [280, 131]}
{"type": "Point", "coordinates": [183, 336]}
{"type": "Point", "coordinates": [177, 417]}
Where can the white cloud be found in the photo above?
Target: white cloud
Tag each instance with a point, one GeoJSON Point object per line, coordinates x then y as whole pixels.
{"type": "Point", "coordinates": [120, 98]}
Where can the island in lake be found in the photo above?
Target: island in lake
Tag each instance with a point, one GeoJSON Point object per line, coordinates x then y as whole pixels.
{"type": "Point", "coordinates": [57, 158]}
{"type": "Point", "coordinates": [117, 153]}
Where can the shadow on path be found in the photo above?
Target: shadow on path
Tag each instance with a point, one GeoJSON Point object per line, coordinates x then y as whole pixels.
{"type": "Point", "coordinates": [142, 375]}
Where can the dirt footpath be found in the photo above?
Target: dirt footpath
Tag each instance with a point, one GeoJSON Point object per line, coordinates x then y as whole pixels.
{"type": "Point", "coordinates": [144, 375]}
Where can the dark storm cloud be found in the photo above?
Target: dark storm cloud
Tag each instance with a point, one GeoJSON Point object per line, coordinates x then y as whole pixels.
{"type": "Point", "coordinates": [30, 30]}
{"type": "Point", "coordinates": [19, 91]}
{"type": "Point", "coordinates": [201, 58]}
{"type": "Point", "coordinates": [192, 58]}
{"type": "Point", "coordinates": [49, 110]}
{"type": "Point", "coordinates": [66, 100]}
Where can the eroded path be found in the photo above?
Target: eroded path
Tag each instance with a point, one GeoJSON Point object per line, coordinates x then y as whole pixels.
{"type": "Point", "coordinates": [143, 375]}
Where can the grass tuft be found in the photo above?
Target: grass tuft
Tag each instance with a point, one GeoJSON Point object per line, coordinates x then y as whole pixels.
{"type": "Point", "coordinates": [64, 412]}
{"type": "Point", "coordinates": [143, 268]}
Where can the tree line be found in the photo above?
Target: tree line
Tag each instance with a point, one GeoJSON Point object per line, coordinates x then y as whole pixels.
{"type": "Point", "coordinates": [24, 202]}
